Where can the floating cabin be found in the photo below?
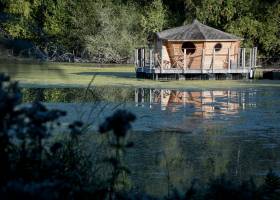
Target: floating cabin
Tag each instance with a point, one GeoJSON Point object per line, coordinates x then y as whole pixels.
{"type": "Point", "coordinates": [195, 51]}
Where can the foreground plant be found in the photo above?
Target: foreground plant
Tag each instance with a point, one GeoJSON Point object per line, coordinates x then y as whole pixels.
{"type": "Point", "coordinates": [32, 166]}
{"type": "Point", "coordinates": [118, 124]}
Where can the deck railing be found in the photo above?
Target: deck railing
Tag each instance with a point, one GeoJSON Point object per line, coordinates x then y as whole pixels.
{"type": "Point", "coordinates": [204, 59]}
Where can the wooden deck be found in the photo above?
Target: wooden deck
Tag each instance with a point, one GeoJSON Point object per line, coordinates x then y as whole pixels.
{"type": "Point", "coordinates": [149, 70]}
{"type": "Point", "coordinates": [150, 63]}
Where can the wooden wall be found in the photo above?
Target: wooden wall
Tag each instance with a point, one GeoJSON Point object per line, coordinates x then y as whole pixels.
{"type": "Point", "coordinates": [173, 54]}
{"type": "Point", "coordinates": [221, 57]}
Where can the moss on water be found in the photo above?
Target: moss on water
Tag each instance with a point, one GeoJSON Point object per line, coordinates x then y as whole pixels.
{"type": "Point", "coordinates": [79, 75]}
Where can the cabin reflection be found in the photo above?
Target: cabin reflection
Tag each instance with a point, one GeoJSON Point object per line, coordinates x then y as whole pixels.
{"type": "Point", "coordinates": [204, 103]}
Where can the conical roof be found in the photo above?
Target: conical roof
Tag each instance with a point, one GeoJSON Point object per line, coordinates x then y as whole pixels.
{"type": "Point", "coordinates": [196, 32]}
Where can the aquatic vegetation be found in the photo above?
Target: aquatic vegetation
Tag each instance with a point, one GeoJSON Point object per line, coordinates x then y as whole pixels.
{"type": "Point", "coordinates": [63, 75]}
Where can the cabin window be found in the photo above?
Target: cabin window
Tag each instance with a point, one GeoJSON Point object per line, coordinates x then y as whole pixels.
{"type": "Point", "coordinates": [189, 46]}
{"type": "Point", "coordinates": [218, 47]}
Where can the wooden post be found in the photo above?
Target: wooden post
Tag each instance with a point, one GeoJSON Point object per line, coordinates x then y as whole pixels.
{"type": "Point", "coordinates": [154, 58]}
{"type": "Point", "coordinates": [241, 57]}
{"type": "Point", "coordinates": [213, 63]}
{"type": "Point", "coordinates": [151, 59]}
{"type": "Point", "coordinates": [228, 59]}
{"type": "Point", "coordinates": [202, 60]}
{"type": "Point", "coordinates": [185, 59]}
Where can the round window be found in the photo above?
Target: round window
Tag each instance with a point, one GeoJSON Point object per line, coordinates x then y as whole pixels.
{"type": "Point", "coordinates": [189, 46]}
{"type": "Point", "coordinates": [218, 47]}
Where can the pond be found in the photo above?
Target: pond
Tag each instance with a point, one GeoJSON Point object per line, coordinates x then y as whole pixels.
{"type": "Point", "coordinates": [183, 135]}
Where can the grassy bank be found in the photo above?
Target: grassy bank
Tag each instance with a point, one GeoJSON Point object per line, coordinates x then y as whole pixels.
{"type": "Point", "coordinates": [79, 75]}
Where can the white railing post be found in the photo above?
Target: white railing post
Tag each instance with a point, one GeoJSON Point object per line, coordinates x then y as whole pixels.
{"type": "Point", "coordinates": [244, 60]}
{"type": "Point", "coordinates": [251, 56]}
{"type": "Point", "coordinates": [161, 57]}
{"type": "Point", "coordinates": [244, 57]}
{"type": "Point", "coordinates": [142, 58]}
{"type": "Point", "coordinates": [136, 58]}
{"type": "Point", "coordinates": [238, 58]}
{"type": "Point", "coordinates": [151, 59]}
{"type": "Point", "coordinates": [256, 57]}
{"type": "Point", "coordinates": [228, 60]}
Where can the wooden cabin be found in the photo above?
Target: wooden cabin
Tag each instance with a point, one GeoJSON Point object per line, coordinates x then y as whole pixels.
{"type": "Point", "coordinates": [194, 51]}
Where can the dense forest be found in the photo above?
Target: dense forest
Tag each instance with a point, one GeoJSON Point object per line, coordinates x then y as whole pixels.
{"type": "Point", "coordinates": [109, 30]}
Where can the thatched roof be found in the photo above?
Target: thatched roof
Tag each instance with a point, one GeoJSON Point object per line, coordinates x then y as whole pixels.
{"type": "Point", "coordinates": [196, 32]}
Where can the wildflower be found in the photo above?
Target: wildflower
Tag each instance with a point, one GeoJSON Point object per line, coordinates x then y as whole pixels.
{"type": "Point", "coordinates": [119, 123]}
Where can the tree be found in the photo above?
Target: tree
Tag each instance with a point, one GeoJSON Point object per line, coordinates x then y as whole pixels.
{"type": "Point", "coordinates": [256, 21]}
{"type": "Point", "coordinates": [39, 21]}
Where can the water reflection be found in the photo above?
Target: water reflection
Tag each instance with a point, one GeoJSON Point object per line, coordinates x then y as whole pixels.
{"type": "Point", "coordinates": [204, 103]}
{"type": "Point", "coordinates": [181, 135]}
{"type": "Point", "coordinates": [231, 132]}
{"type": "Point", "coordinates": [166, 109]}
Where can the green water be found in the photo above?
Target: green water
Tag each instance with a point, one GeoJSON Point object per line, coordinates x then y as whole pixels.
{"type": "Point", "coordinates": [58, 75]}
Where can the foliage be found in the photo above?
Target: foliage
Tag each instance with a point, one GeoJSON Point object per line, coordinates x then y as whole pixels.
{"type": "Point", "coordinates": [108, 31]}
{"type": "Point", "coordinates": [100, 31]}
{"type": "Point", "coordinates": [33, 166]}
{"type": "Point", "coordinates": [117, 32]}
{"type": "Point", "coordinates": [119, 123]}
{"type": "Point", "coordinates": [38, 21]}
{"type": "Point", "coordinates": [256, 21]}
{"type": "Point", "coordinates": [155, 17]}
{"type": "Point", "coordinates": [37, 167]}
